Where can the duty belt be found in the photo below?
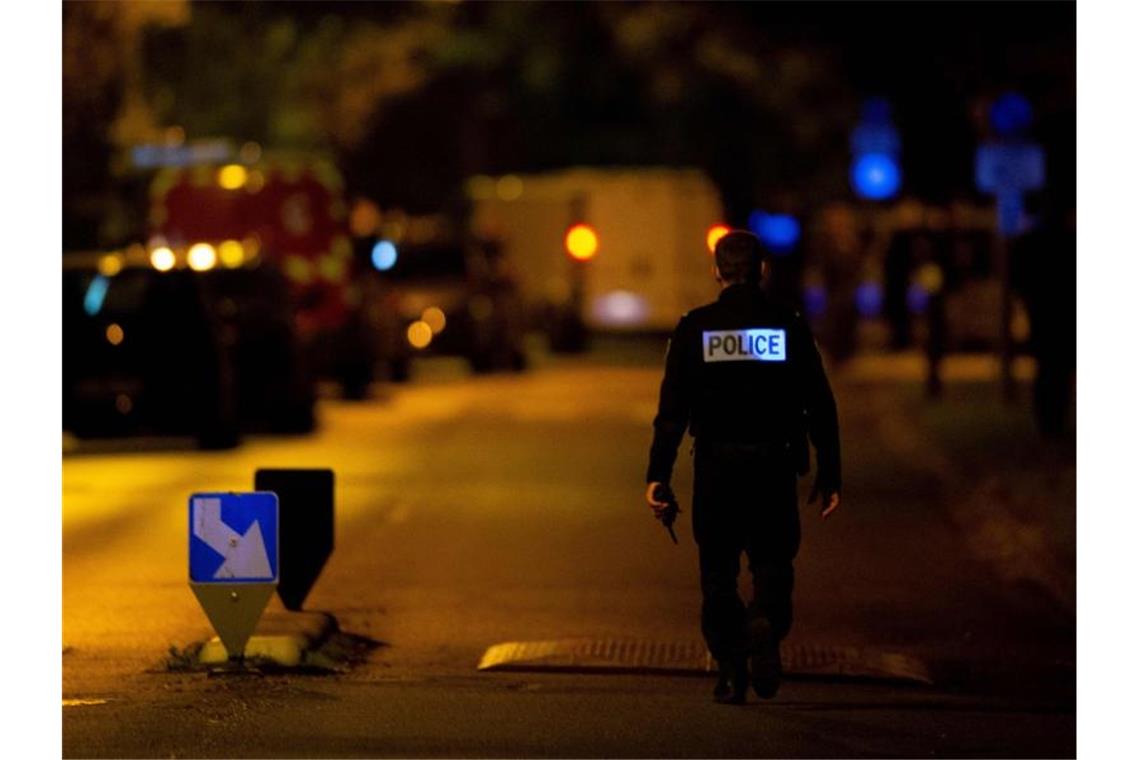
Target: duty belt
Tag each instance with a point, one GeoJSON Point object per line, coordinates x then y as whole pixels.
{"type": "Point", "coordinates": [731, 448]}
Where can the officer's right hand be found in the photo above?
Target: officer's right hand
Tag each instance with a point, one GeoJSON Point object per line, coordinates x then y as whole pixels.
{"type": "Point", "coordinates": [655, 505]}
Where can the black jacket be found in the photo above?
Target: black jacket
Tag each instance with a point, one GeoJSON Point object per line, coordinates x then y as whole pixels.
{"type": "Point", "coordinates": [745, 370]}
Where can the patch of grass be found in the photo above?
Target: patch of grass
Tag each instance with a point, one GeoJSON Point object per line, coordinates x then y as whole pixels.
{"type": "Point", "coordinates": [180, 660]}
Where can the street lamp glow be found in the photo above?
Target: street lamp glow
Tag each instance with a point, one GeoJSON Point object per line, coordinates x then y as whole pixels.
{"type": "Point", "coordinates": [110, 265]}
{"type": "Point", "coordinates": [231, 253]}
{"type": "Point", "coordinates": [232, 176]}
{"type": "Point", "coordinates": [434, 318]}
{"type": "Point", "coordinates": [715, 233]}
{"type": "Point", "coordinates": [202, 257]}
{"type": "Point", "coordinates": [419, 334]}
{"type": "Point", "coordinates": [509, 187]}
{"type": "Point", "coordinates": [162, 259]}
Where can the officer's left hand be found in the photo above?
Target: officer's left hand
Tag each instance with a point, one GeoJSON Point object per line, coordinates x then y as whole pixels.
{"type": "Point", "coordinates": [830, 504]}
{"type": "Point", "coordinates": [655, 505]}
{"type": "Point", "coordinates": [829, 501]}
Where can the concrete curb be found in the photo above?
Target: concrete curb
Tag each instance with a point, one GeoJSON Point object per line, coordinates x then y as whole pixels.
{"type": "Point", "coordinates": [605, 655]}
{"type": "Point", "coordinates": [282, 638]}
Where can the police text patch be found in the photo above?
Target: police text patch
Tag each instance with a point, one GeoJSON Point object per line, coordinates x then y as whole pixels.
{"type": "Point", "coordinates": [757, 344]}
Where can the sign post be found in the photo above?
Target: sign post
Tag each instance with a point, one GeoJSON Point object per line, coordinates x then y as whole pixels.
{"type": "Point", "coordinates": [1007, 170]}
{"type": "Point", "coordinates": [305, 499]}
{"type": "Point", "coordinates": [233, 561]}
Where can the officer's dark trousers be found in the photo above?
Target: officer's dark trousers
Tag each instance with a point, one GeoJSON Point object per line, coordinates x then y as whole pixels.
{"type": "Point", "coordinates": [744, 502]}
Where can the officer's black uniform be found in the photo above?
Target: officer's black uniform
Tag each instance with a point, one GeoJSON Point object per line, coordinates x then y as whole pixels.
{"type": "Point", "coordinates": [750, 400]}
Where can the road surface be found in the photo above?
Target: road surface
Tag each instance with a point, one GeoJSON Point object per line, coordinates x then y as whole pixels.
{"type": "Point", "coordinates": [473, 511]}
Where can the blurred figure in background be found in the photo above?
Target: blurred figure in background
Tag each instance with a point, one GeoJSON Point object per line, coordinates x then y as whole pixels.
{"type": "Point", "coordinates": [499, 285]}
{"type": "Point", "coordinates": [896, 272]}
{"type": "Point", "coordinates": [929, 263]}
{"type": "Point", "coordinates": [840, 255]}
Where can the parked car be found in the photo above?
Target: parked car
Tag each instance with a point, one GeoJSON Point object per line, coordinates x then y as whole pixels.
{"type": "Point", "coordinates": [457, 299]}
{"type": "Point", "coordinates": [180, 352]}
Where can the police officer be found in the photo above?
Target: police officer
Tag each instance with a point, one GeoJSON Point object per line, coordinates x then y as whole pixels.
{"type": "Point", "coordinates": [744, 376]}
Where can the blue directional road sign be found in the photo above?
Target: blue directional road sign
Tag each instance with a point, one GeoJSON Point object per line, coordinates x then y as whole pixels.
{"type": "Point", "coordinates": [233, 537]}
{"type": "Point", "coordinates": [1006, 170]}
{"type": "Point", "coordinates": [1003, 167]}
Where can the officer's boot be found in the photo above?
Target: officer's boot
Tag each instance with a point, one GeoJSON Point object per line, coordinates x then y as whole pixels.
{"type": "Point", "coordinates": [731, 683]}
{"type": "Point", "coordinates": [764, 654]}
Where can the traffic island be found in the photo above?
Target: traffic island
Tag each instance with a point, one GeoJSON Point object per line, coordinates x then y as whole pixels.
{"type": "Point", "coordinates": [283, 642]}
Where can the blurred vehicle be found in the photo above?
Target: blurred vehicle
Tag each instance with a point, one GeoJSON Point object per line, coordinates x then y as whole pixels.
{"type": "Point", "coordinates": [155, 348]}
{"type": "Point", "coordinates": [650, 260]}
{"type": "Point", "coordinates": [290, 212]}
{"type": "Point", "coordinates": [453, 298]}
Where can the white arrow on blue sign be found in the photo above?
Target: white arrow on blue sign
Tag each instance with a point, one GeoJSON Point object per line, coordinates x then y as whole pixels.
{"type": "Point", "coordinates": [233, 537]}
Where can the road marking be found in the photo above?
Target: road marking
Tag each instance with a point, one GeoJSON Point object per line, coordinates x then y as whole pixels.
{"type": "Point", "coordinates": [83, 702]}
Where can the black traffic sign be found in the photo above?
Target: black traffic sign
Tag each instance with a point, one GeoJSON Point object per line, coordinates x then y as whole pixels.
{"type": "Point", "coordinates": [305, 530]}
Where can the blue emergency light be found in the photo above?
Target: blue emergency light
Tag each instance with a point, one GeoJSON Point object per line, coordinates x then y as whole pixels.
{"type": "Point", "coordinates": [778, 232]}
{"type": "Point", "coordinates": [815, 300]}
{"type": "Point", "coordinates": [1011, 114]}
{"type": "Point", "coordinates": [869, 299]}
{"type": "Point", "coordinates": [95, 295]}
{"type": "Point", "coordinates": [875, 176]}
{"type": "Point", "coordinates": [917, 298]}
{"type": "Point", "coordinates": [384, 255]}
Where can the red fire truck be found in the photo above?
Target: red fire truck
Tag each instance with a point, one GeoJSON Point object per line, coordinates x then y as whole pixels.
{"type": "Point", "coordinates": [284, 212]}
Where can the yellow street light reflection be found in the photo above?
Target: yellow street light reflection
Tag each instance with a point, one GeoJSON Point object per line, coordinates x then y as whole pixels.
{"type": "Point", "coordinates": [231, 253]}
{"type": "Point", "coordinates": [250, 153]}
{"type": "Point", "coordinates": [232, 176]}
{"type": "Point", "coordinates": [162, 259]}
{"type": "Point", "coordinates": [255, 182]}
{"type": "Point", "coordinates": [110, 265]}
{"type": "Point", "coordinates": [509, 187]}
{"type": "Point", "coordinates": [298, 269]}
{"type": "Point", "coordinates": [419, 334]}
{"type": "Point", "coordinates": [930, 277]}
{"type": "Point", "coordinates": [434, 318]}
{"type": "Point", "coordinates": [201, 257]}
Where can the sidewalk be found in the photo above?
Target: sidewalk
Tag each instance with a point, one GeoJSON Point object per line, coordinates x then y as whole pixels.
{"type": "Point", "coordinates": [1011, 492]}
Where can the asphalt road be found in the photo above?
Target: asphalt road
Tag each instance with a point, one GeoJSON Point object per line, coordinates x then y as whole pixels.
{"type": "Point", "coordinates": [473, 511]}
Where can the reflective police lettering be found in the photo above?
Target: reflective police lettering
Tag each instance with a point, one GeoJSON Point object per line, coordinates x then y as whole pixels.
{"type": "Point", "coordinates": [757, 344]}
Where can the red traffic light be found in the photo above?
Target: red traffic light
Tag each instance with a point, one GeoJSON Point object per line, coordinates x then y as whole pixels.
{"type": "Point", "coordinates": [581, 242]}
